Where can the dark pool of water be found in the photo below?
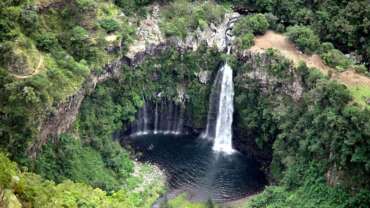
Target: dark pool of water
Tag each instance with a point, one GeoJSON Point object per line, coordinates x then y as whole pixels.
{"type": "Point", "coordinates": [192, 166]}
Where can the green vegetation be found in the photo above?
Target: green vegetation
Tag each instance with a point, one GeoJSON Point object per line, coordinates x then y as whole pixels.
{"type": "Point", "coordinates": [343, 23]}
{"type": "Point", "coordinates": [247, 27]}
{"type": "Point", "coordinates": [89, 155]}
{"type": "Point", "coordinates": [315, 195]}
{"type": "Point", "coordinates": [299, 135]}
{"type": "Point", "coordinates": [107, 167]}
{"type": "Point", "coordinates": [256, 24]}
{"type": "Point", "coordinates": [336, 59]}
{"type": "Point", "coordinates": [313, 191]}
{"type": "Point", "coordinates": [181, 17]}
{"type": "Point", "coordinates": [131, 7]}
{"type": "Point", "coordinates": [164, 74]}
{"type": "Point", "coordinates": [110, 25]}
{"type": "Point", "coordinates": [57, 49]}
{"type": "Point", "coordinates": [244, 42]}
{"type": "Point", "coordinates": [33, 191]}
{"type": "Point", "coordinates": [49, 48]}
{"type": "Point", "coordinates": [361, 94]}
{"type": "Point", "coordinates": [304, 37]}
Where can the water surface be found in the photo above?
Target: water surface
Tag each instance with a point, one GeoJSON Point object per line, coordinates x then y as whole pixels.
{"type": "Point", "coordinates": [192, 166]}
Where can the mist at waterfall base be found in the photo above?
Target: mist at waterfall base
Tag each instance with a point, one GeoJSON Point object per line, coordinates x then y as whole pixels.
{"type": "Point", "coordinates": [191, 165]}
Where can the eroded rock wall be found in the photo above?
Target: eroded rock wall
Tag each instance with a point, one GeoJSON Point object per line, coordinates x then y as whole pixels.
{"type": "Point", "coordinates": [257, 78]}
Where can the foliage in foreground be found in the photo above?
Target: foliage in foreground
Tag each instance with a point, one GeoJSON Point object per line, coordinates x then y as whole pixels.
{"type": "Point", "coordinates": [34, 191]}
{"type": "Point", "coordinates": [68, 158]}
{"type": "Point", "coordinates": [313, 193]}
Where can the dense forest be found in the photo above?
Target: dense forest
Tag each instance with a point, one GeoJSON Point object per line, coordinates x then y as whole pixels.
{"type": "Point", "coordinates": [70, 87]}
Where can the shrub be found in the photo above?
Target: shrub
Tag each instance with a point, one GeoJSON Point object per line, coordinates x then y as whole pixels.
{"type": "Point", "coordinates": [245, 42]}
{"type": "Point", "coordinates": [86, 5]}
{"type": "Point", "coordinates": [46, 41]}
{"type": "Point", "coordinates": [8, 23]}
{"type": "Point", "coordinates": [131, 6]}
{"type": "Point", "coordinates": [181, 17]}
{"type": "Point", "coordinates": [127, 5]}
{"type": "Point", "coordinates": [6, 31]}
{"type": "Point", "coordinates": [79, 43]}
{"type": "Point", "coordinates": [8, 169]}
{"type": "Point", "coordinates": [361, 69]}
{"type": "Point", "coordinates": [336, 59]}
{"type": "Point", "coordinates": [213, 12]}
{"type": "Point", "coordinates": [326, 46]}
{"type": "Point", "coordinates": [79, 34]}
{"type": "Point", "coordinates": [272, 20]}
{"type": "Point", "coordinates": [109, 25]}
{"type": "Point", "coordinates": [304, 37]}
{"type": "Point", "coordinates": [304, 16]}
{"type": "Point", "coordinates": [256, 24]}
{"type": "Point", "coordinates": [29, 20]}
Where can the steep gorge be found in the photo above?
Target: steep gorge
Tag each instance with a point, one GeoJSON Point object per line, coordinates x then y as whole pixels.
{"type": "Point", "coordinates": [304, 128]}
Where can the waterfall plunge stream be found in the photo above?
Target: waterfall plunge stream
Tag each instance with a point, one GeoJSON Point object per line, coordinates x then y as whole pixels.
{"type": "Point", "coordinates": [221, 103]}
{"type": "Point", "coordinates": [220, 114]}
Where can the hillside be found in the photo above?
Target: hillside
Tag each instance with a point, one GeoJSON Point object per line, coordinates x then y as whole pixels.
{"type": "Point", "coordinates": [284, 84]}
{"type": "Point", "coordinates": [359, 84]}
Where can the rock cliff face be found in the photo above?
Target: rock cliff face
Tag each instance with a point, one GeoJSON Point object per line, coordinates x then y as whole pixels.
{"type": "Point", "coordinates": [258, 77]}
{"type": "Point", "coordinates": [290, 85]}
{"type": "Point", "coordinates": [65, 114]}
{"type": "Point", "coordinates": [149, 43]}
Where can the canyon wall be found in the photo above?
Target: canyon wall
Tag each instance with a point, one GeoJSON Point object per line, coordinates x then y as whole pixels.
{"type": "Point", "coordinates": [150, 43]}
{"type": "Point", "coordinates": [258, 78]}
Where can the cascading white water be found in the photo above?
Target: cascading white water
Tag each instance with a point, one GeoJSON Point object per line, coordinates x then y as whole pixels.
{"type": "Point", "coordinates": [221, 108]}
{"type": "Point", "coordinates": [156, 119]}
{"type": "Point", "coordinates": [221, 102]}
{"type": "Point", "coordinates": [223, 134]}
{"type": "Point", "coordinates": [145, 119]}
{"type": "Point", "coordinates": [160, 117]}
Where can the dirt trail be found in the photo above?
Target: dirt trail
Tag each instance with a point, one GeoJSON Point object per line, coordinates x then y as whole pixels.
{"type": "Point", "coordinates": [278, 41]}
{"type": "Point", "coordinates": [36, 71]}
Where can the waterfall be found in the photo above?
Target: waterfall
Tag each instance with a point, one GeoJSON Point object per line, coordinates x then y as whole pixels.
{"type": "Point", "coordinates": [145, 119]}
{"type": "Point", "coordinates": [156, 118]}
{"type": "Point", "coordinates": [159, 117]}
{"type": "Point", "coordinates": [221, 102]}
{"type": "Point", "coordinates": [221, 108]}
